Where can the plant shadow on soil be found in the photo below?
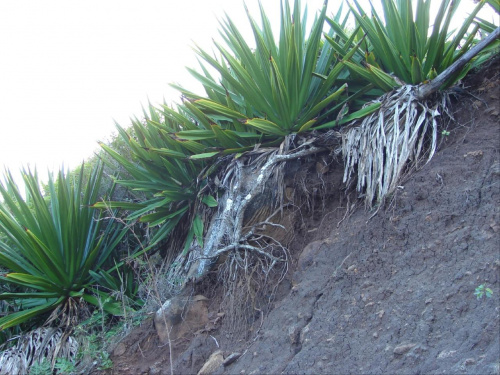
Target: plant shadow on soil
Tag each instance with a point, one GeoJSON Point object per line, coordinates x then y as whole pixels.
{"type": "Point", "coordinates": [390, 294]}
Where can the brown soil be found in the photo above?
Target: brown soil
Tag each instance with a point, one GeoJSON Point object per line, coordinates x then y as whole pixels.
{"type": "Point", "coordinates": [393, 294]}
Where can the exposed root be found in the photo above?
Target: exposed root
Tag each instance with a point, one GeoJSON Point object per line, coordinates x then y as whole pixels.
{"type": "Point", "coordinates": [349, 210]}
{"type": "Point", "coordinates": [250, 281]}
{"type": "Point", "coordinates": [237, 246]}
{"type": "Point", "coordinates": [247, 235]}
{"type": "Point", "coordinates": [243, 183]}
{"type": "Point", "coordinates": [252, 261]}
{"type": "Point", "coordinates": [390, 142]}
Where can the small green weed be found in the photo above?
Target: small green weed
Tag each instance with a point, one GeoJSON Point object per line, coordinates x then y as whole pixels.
{"type": "Point", "coordinates": [64, 366]}
{"type": "Point", "coordinates": [40, 368]}
{"type": "Point", "coordinates": [106, 362]}
{"type": "Point", "coordinates": [482, 290]}
{"type": "Point", "coordinates": [92, 351]}
{"type": "Point", "coordinates": [98, 333]}
{"type": "Point", "coordinates": [445, 133]}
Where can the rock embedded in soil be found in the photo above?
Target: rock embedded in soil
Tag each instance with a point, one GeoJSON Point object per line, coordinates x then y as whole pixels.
{"type": "Point", "coordinates": [120, 349]}
{"type": "Point", "coordinates": [294, 333]}
{"type": "Point", "coordinates": [404, 348]}
{"type": "Point", "coordinates": [214, 362]}
{"type": "Point", "coordinates": [231, 358]}
{"type": "Point", "coordinates": [180, 317]}
{"type": "Point", "coordinates": [446, 354]}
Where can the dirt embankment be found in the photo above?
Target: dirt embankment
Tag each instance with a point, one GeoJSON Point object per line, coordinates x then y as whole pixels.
{"type": "Point", "coordinates": [393, 294]}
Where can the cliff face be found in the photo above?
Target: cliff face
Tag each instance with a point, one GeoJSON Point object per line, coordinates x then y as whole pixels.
{"type": "Point", "coordinates": [395, 294]}
{"type": "Point", "coordinates": [392, 293]}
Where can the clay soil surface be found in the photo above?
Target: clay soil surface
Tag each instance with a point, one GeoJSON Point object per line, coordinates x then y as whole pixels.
{"type": "Point", "coordinates": [390, 294]}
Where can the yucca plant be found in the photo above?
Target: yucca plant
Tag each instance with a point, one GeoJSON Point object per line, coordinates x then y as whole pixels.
{"type": "Point", "coordinates": [405, 47]}
{"type": "Point", "coordinates": [401, 52]}
{"type": "Point", "coordinates": [169, 172]}
{"type": "Point", "coordinates": [486, 28]}
{"type": "Point", "coordinates": [50, 246]}
{"type": "Point", "coordinates": [284, 85]}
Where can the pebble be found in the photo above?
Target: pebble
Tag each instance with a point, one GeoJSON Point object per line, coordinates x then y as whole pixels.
{"type": "Point", "coordinates": [231, 358]}
{"type": "Point", "coordinates": [402, 349]}
{"type": "Point", "coordinates": [119, 350]}
{"type": "Point", "coordinates": [469, 361]}
{"type": "Point", "coordinates": [446, 354]}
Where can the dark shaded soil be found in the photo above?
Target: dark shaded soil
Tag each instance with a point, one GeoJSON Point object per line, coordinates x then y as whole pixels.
{"type": "Point", "coordinates": [393, 294]}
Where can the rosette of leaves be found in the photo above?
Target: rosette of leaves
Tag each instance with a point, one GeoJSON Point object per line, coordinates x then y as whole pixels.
{"type": "Point", "coordinates": [407, 47]}
{"type": "Point", "coordinates": [170, 172]}
{"type": "Point", "coordinates": [283, 85]}
{"type": "Point", "coordinates": [51, 246]}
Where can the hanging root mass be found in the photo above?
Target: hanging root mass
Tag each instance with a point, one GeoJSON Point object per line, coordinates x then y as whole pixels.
{"type": "Point", "coordinates": [389, 142]}
{"type": "Point", "coordinates": [35, 346]}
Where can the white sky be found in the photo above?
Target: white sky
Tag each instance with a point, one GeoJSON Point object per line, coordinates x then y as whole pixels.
{"type": "Point", "coordinates": [68, 68]}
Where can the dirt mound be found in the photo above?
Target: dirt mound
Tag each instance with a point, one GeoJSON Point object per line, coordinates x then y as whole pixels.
{"type": "Point", "coordinates": [393, 293]}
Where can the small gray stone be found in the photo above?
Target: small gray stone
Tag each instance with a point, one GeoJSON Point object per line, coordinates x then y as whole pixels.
{"type": "Point", "coordinates": [231, 358]}
{"type": "Point", "coordinates": [119, 350]}
{"type": "Point", "coordinates": [402, 349]}
{"type": "Point", "coordinates": [212, 364]}
{"type": "Point", "coordinates": [293, 334]}
{"type": "Point", "coordinates": [303, 334]}
{"type": "Point", "coordinates": [446, 354]}
{"type": "Point", "coordinates": [470, 361]}
{"type": "Point", "coordinates": [153, 370]}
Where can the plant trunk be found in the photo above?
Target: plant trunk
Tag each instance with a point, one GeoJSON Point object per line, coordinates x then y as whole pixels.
{"type": "Point", "coordinates": [431, 87]}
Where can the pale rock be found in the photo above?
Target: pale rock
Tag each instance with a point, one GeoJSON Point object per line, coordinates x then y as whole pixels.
{"type": "Point", "coordinates": [212, 364]}
{"type": "Point", "coordinates": [403, 348]}
{"type": "Point", "coordinates": [181, 316]}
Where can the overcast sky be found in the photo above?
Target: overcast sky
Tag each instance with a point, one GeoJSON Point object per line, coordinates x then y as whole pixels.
{"type": "Point", "coordinates": [68, 68]}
